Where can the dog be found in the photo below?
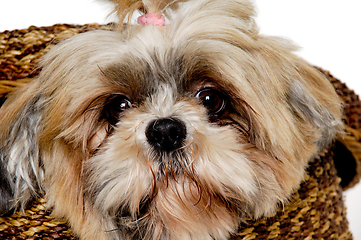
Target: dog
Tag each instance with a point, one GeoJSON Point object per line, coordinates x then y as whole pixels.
{"type": "Point", "coordinates": [180, 126]}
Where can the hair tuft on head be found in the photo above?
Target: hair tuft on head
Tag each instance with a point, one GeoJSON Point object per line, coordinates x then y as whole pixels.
{"type": "Point", "coordinates": [125, 9]}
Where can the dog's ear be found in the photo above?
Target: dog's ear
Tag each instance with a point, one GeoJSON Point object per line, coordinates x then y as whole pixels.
{"type": "Point", "coordinates": [308, 94]}
{"type": "Point", "coordinates": [21, 168]}
{"type": "Point", "coordinates": [316, 105]}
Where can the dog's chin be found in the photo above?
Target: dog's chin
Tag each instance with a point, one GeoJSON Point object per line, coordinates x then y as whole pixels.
{"type": "Point", "coordinates": [179, 208]}
{"type": "Point", "coordinates": [204, 188]}
{"type": "Point", "coordinates": [168, 201]}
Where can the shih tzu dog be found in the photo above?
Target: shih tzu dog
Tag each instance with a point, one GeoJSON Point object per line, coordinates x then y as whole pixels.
{"type": "Point", "coordinates": [179, 126]}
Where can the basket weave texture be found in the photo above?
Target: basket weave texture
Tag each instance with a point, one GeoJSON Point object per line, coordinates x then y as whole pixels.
{"type": "Point", "coordinates": [315, 211]}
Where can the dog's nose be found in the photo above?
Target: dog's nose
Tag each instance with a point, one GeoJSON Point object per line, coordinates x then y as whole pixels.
{"type": "Point", "coordinates": [166, 134]}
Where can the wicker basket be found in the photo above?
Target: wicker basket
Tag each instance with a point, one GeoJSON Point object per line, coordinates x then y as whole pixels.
{"type": "Point", "coordinates": [316, 210]}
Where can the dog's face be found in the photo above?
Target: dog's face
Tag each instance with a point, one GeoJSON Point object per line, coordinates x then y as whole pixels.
{"type": "Point", "coordinates": [170, 132]}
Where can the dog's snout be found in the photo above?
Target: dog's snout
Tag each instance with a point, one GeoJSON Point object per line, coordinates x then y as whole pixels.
{"type": "Point", "coordinates": [166, 134]}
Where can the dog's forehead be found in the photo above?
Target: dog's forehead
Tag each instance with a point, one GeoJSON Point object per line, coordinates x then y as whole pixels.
{"type": "Point", "coordinates": [139, 77]}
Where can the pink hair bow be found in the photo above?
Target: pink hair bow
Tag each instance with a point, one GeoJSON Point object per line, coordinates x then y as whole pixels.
{"type": "Point", "coordinates": [155, 19]}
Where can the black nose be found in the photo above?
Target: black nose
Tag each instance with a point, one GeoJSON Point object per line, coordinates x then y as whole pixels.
{"type": "Point", "coordinates": [166, 134]}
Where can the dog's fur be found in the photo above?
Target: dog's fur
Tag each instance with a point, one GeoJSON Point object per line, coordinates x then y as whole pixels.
{"type": "Point", "coordinates": [250, 115]}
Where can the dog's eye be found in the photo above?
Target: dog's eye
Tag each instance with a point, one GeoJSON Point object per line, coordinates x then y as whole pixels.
{"type": "Point", "coordinates": [212, 99]}
{"type": "Point", "coordinates": [115, 107]}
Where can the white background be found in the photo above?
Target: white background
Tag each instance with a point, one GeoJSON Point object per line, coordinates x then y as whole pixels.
{"type": "Point", "coordinates": [328, 31]}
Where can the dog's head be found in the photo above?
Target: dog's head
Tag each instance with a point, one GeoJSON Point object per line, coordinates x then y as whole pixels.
{"type": "Point", "coordinates": [176, 130]}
